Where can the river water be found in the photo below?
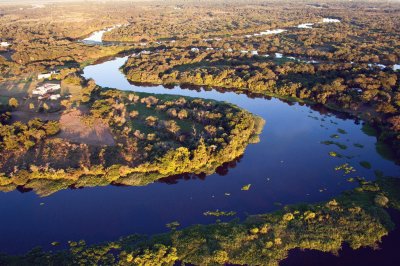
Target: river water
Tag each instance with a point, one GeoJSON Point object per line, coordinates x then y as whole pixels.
{"type": "Point", "coordinates": [289, 165]}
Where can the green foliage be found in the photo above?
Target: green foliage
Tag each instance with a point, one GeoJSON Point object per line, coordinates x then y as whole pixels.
{"type": "Point", "coordinates": [346, 168]}
{"type": "Point", "coordinates": [338, 144]}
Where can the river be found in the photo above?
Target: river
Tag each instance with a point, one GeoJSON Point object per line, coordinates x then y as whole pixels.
{"type": "Point", "coordinates": [289, 165]}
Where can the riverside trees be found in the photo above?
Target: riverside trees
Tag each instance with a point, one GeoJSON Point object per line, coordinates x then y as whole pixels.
{"type": "Point", "coordinates": [355, 88]}
{"type": "Point", "coordinates": [149, 143]}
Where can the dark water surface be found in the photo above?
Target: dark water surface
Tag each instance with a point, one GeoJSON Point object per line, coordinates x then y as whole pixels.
{"type": "Point", "coordinates": [289, 165]}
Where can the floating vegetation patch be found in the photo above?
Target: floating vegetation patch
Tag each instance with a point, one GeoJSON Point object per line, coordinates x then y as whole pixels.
{"type": "Point", "coordinates": [367, 186]}
{"type": "Point", "coordinates": [346, 168]}
{"type": "Point", "coordinates": [246, 187]}
{"type": "Point", "coordinates": [338, 144]}
{"type": "Point", "coordinates": [218, 213]}
{"type": "Point", "coordinates": [358, 145]}
{"type": "Point", "coordinates": [313, 117]}
{"type": "Point", "coordinates": [342, 131]}
{"type": "Point", "coordinates": [173, 225]}
{"type": "Point", "coordinates": [334, 136]}
{"type": "Point", "coordinates": [335, 154]}
{"type": "Point", "coordinates": [366, 165]}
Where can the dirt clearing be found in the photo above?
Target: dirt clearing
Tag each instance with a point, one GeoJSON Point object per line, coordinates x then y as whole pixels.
{"type": "Point", "coordinates": [76, 127]}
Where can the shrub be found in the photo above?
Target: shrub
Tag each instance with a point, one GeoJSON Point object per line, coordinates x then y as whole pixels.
{"type": "Point", "coordinates": [381, 200]}
{"type": "Point", "coordinates": [13, 102]}
{"type": "Point", "coordinates": [309, 215]}
{"type": "Point", "coordinates": [288, 217]}
{"type": "Point", "coordinates": [254, 230]}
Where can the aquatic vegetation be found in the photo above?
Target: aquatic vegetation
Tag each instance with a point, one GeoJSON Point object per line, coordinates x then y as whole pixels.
{"type": "Point", "coordinates": [246, 187]}
{"type": "Point", "coordinates": [338, 144]}
{"type": "Point", "coordinates": [342, 131]}
{"type": "Point", "coordinates": [218, 213]}
{"type": "Point", "coordinates": [366, 165]}
{"type": "Point", "coordinates": [173, 225]}
{"type": "Point", "coordinates": [346, 168]}
{"type": "Point", "coordinates": [335, 154]}
{"type": "Point", "coordinates": [358, 145]}
{"type": "Point", "coordinates": [334, 136]}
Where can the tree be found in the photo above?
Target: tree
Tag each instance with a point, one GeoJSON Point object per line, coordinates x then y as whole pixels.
{"type": "Point", "coordinates": [395, 121]}
{"type": "Point", "coordinates": [13, 102]}
{"type": "Point", "coordinates": [52, 127]}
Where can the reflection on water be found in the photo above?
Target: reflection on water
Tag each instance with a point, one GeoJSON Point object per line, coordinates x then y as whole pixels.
{"type": "Point", "coordinates": [288, 165]}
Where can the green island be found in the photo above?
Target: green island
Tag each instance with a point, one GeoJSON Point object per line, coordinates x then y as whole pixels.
{"type": "Point", "coordinates": [104, 136]}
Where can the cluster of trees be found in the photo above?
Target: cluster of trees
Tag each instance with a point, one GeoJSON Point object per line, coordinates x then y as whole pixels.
{"type": "Point", "coordinates": [365, 34]}
{"type": "Point", "coordinates": [210, 20]}
{"type": "Point", "coordinates": [357, 218]}
{"type": "Point", "coordinates": [155, 137]}
{"type": "Point", "coordinates": [17, 138]}
{"type": "Point", "coordinates": [38, 55]}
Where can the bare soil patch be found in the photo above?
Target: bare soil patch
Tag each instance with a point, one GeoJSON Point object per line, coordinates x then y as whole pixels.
{"type": "Point", "coordinates": [76, 127]}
